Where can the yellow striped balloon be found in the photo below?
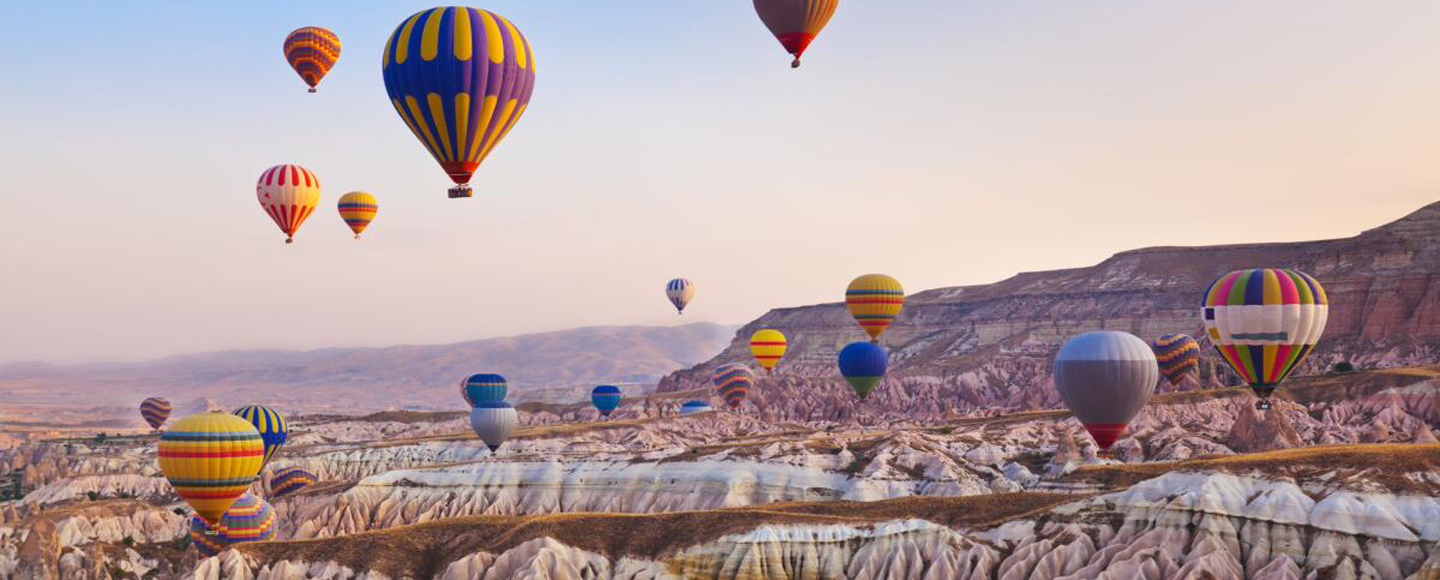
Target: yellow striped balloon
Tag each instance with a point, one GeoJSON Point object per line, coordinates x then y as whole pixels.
{"type": "Point", "coordinates": [210, 459]}
{"type": "Point", "coordinates": [768, 345]}
{"type": "Point", "coordinates": [874, 300]}
{"type": "Point", "coordinates": [358, 209]}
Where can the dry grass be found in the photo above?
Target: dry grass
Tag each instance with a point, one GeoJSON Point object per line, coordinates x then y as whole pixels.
{"type": "Point", "coordinates": [1388, 464]}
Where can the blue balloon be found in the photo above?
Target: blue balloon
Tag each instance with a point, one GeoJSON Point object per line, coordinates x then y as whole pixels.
{"type": "Point", "coordinates": [692, 407]}
{"type": "Point", "coordinates": [482, 388]}
{"type": "Point", "coordinates": [606, 398]}
{"type": "Point", "coordinates": [863, 364]}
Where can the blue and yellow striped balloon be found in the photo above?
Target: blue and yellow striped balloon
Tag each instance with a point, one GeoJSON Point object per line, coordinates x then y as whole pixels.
{"type": "Point", "coordinates": [288, 480]}
{"type": "Point", "coordinates": [1264, 322]}
{"type": "Point", "coordinates": [249, 519]}
{"type": "Point", "coordinates": [270, 424]}
{"type": "Point", "coordinates": [460, 78]}
{"type": "Point", "coordinates": [210, 459]}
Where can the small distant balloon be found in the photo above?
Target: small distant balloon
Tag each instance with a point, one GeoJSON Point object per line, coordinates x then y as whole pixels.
{"type": "Point", "coordinates": [732, 382]}
{"type": "Point", "coordinates": [679, 291]}
{"type": "Point", "coordinates": [155, 411]}
{"type": "Point", "coordinates": [483, 388]}
{"type": "Point", "coordinates": [693, 407]}
{"type": "Point", "coordinates": [249, 519]}
{"type": "Point", "coordinates": [358, 209]}
{"type": "Point", "coordinates": [493, 421]}
{"type": "Point", "coordinates": [606, 398]}
{"type": "Point", "coordinates": [1179, 356]}
{"type": "Point", "coordinates": [288, 194]}
{"type": "Point", "coordinates": [312, 51]}
{"type": "Point", "coordinates": [863, 364]}
{"type": "Point", "coordinates": [1264, 322]}
{"type": "Point", "coordinates": [1105, 378]}
{"type": "Point", "coordinates": [288, 480]}
{"type": "Point", "coordinates": [768, 346]}
{"type": "Point", "coordinates": [874, 300]}
{"type": "Point", "coordinates": [795, 23]}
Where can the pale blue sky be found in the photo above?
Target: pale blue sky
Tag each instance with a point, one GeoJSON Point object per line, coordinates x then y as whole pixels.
{"type": "Point", "coordinates": [944, 142]}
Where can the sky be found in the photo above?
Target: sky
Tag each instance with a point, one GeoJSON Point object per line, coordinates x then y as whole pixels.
{"type": "Point", "coordinates": [944, 142]}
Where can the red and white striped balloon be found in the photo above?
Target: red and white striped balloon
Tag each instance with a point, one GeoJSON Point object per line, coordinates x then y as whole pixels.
{"type": "Point", "coordinates": [288, 194]}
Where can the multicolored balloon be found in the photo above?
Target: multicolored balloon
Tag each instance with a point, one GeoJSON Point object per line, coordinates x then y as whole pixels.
{"type": "Point", "coordinates": [155, 411]}
{"type": "Point", "coordinates": [863, 364]}
{"type": "Point", "coordinates": [311, 51]}
{"type": "Point", "coordinates": [493, 421]}
{"type": "Point", "coordinates": [210, 459]}
{"type": "Point", "coordinates": [288, 194]}
{"type": "Point", "coordinates": [460, 78]}
{"type": "Point", "coordinates": [768, 346]}
{"type": "Point", "coordinates": [483, 388]}
{"type": "Point", "coordinates": [358, 209]}
{"type": "Point", "coordinates": [271, 426]}
{"type": "Point", "coordinates": [1264, 322]}
{"type": "Point", "coordinates": [606, 398]}
{"type": "Point", "coordinates": [249, 519]}
{"type": "Point", "coordinates": [679, 291]}
{"type": "Point", "coordinates": [1179, 356]}
{"type": "Point", "coordinates": [1105, 378]}
{"type": "Point", "coordinates": [874, 300]}
{"type": "Point", "coordinates": [733, 382]}
{"type": "Point", "coordinates": [795, 23]}
{"type": "Point", "coordinates": [288, 480]}
{"type": "Point", "coordinates": [693, 407]}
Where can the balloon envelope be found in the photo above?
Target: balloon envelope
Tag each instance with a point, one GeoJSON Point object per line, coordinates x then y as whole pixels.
{"type": "Point", "coordinates": [693, 407]}
{"type": "Point", "coordinates": [863, 364]}
{"type": "Point", "coordinates": [493, 421]}
{"type": "Point", "coordinates": [606, 398]}
{"type": "Point", "coordinates": [679, 291]}
{"type": "Point", "coordinates": [358, 209]}
{"type": "Point", "coordinates": [288, 194]}
{"type": "Point", "coordinates": [155, 411]}
{"type": "Point", "coordinates": [1264, 322]}
{"type": "Point", "coordinates": [1178, 355]}
{"type": "Point", "coordinates": [1105, 379]}
{"type": "Point", "coordinates": [768, 346]}
{"type": "Point", "coordinates": [460, 78]}
{"type": "Point", "coordinates": [271, 426]}
{"type": "Point", "coordinates": [210, 459]}
{"type": "Point", "coordinates": [288, 480]}
{"type": "Point", "coordinates": [733, 382]}
{"type": "Point", "coordinates": [874, 300]}
{"type": "Point", "coordinates": [483, 388]}
{"type": "Point", "coordinates": [795, 23]}
{"type": "Point", "coordinates": [249, 519]}
{"type": "Point", "coordinates": [311, 51]}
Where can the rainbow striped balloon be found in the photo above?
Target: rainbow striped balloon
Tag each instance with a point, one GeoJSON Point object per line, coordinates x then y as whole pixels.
{"type": "Point", "coordinates": [311, 51]}
{"type": "Point", "coordinates": [249, 519]}
{"type": "Point", "coordinates": [288, 193]}
{"type": "Point", "coordinates": [288, 480]}
{"type": "Point", "coordinates": [1264, 322]}
{"type": "Point", "coordinates": [358, 209]}
{"type": "Point", "coordinates": [874, 300]}
{"type": "Point", "coordinates": [768, 346]}
{"type": "Point", "coordinates": [155, 411]}
{"type": "Point", "coordinates": [733, 382]}
{"type": "Point", "coordinates": [1178, 355]}
{"type": "Point", "coordinates": [210, 459]}
{"type": "Point", "coordinates": [460, 78]}
{"type": "Point", "coordinates": [270, 424]}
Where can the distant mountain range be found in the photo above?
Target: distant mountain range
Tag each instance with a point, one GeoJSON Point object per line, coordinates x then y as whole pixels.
{"type": "Point", "coordinates": [549, 367]}
{"type": "Point", "coordinates": [991, 346]}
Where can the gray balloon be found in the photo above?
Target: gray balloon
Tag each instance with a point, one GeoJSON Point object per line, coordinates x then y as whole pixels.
{"type": "Point", "coordinates": [493, 421]}
{"type": "Point", "coordinates": [1106, 378]}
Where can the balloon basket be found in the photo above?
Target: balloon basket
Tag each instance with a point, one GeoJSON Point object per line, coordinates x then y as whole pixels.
{"type": "Point", "coordinates": [795, 63]}
{"type": "Point", "coordinates": [1262, 405]}
{"type": "Point", "coordinates": [289, 240]}
{"type": "Point", "coordinates": [460, 191]}
{"type": "Point", "coordinates": [312, 89]}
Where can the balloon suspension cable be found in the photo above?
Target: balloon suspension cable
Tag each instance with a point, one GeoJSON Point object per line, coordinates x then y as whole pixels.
{"type": "Point", "coordinates": [795, 63]}
{"type": "Point", "coordinates": [312, 89]}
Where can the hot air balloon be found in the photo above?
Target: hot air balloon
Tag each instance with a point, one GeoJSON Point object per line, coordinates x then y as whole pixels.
{"type": "Point", "coordinates": [874, 300]}
{"type": "Point", "coordinates": [358, 209]}
{"type": "Point", "coordinates": [606, 398]}
{"type": "Point", "coordinates": [863, 365]}
{"type": "Point", "coordinates": [1179, 356]}
{"type": "Point", "coordinates": [210, 459]}
{"type": "Point", "coordinates": [768, 346]}
{"type": "Point", "coordinates": [693, 407]}
{"type": "Point", "coordinates": [483, 387]}
{"type": "Point", "coordinates": [493, 421]}
{"type": "Point", "coordinates": [288, 480]}
{"type": "Point", "coordinates": [249, 519]}
{"type": "Point", "coordinates": [1105, 378]}
{"type": "Point", "coordinates": [155, 411]}
{"type": "Point", "coordinates": [311, 51]}
{"type": "Point", "coordinates": [460, 78]}
{"type": "Point", "coordinates": [733, 382]}
{"type": "Point", "coordinates": [288, 194]}
{"type": "Point", "coordinates": [270, 424]}
{"type": "Point", "coordinates": [795, 22]}
{"type": "Point", "coordinates": [1264, 322]}
{"type": "Point", "coordinates": [679, 291]}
